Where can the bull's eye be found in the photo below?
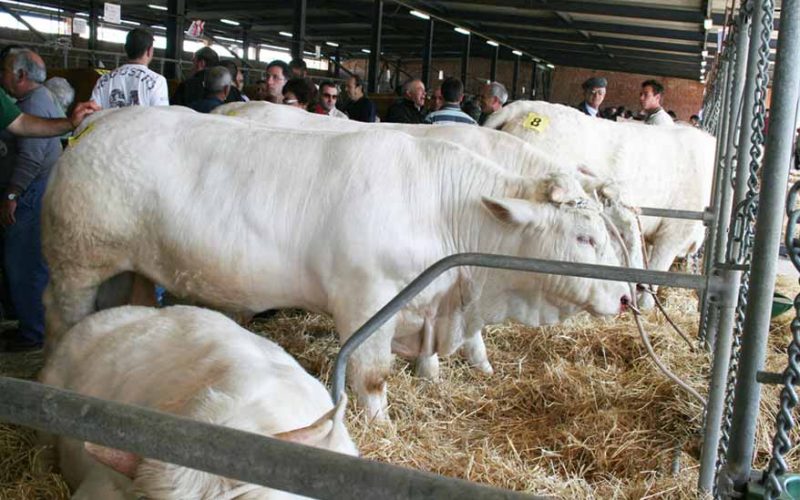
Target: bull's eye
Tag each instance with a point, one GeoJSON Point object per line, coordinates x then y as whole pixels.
{"type": "Point", "coordinates": [585, 239]}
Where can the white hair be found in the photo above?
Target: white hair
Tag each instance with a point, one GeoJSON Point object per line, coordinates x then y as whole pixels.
{"type": "Point", "coordinates": [498, 90]}
{"type": "Point", "coordinates": [24, 61]}
{"type": "Point", "coordinates": [61, 90]}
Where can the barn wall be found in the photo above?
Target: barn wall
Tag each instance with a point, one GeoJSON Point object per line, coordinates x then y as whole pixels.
{"type": "Point", "coordinates": [685, 97]}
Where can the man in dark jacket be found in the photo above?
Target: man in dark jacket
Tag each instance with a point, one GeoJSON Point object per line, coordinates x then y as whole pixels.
{"type": "Point", "coordinates": [192, 89]}
{"type": "Point", "coordinates": [360, 108]}
{"type": "Point", "coordinates": [594, 91]}
{"type": "Point", "coordinates": [411, 108]}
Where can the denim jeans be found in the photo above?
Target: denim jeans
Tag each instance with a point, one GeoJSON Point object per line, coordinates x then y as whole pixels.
{"type": "Point", "coordinates": [24, 264]}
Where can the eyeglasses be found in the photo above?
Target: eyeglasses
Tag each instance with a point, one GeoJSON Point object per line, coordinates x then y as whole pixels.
{"type": "Point", "coordinates": [597, 92]}
{"type": "Point", "coordinates": [330, 96]}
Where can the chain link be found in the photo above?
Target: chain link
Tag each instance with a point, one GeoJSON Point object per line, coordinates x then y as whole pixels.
{"type": "Point", "coordinates": [743, 230]}
{"type": "Point", "coordinates": [784, 423]}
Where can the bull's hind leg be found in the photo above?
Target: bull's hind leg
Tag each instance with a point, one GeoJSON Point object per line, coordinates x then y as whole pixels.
{"type": "Point", "coordinates": [474, 351]}
{"type": "Point", "coordinates": [427, 364]}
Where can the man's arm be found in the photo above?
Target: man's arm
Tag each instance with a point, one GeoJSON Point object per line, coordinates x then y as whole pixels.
{"type": "Point", "coordinates": [26, 125]}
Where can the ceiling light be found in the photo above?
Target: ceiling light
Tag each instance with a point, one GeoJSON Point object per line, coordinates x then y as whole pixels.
{"type": "Point", "coordinates": [703, 64]}
{"type": "Point", "coordinates": [366, 51]}
{"type": "Point", "coordinates": [461, 30]}
{"type": "Point", "coordinates": [228, 21]}
{"type": "Point", "coordinates": [551, 66]}
{"type": "Point", "coordinates": [132, 23]}
{"type": "Point", "coordinates": [419, 14]}
{"type": "Point", "coordinates": [285, 33]}
{"type": "Point", "coordinates": [704, 53]}
{"type": "Point", "coordinates": [492, 43]}
{"type": "Point", "coordinates": [156, 7]}
{"type": "Point", "coordinates": [516, 52]}
{"type": "Point", "coordinates": [332, 44]}
{"type": "Point", "coordinates": [158, 27]}
{"type": "Point", "coordinates": [708, 23]}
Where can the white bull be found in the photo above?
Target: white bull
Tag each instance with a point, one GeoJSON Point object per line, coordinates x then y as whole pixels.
{"type": "Point", "coordinates": [246, 218]}
{"type": "Point", "coordinates": [663, 167]}
{"type": "Point", "coordinates": [193, 363]}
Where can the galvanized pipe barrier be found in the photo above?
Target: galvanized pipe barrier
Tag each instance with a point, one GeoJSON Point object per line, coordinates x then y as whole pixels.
{"type": "Point", "coordinates": [612, 273]}
{"type": "Point", "coordinates": [676, 214]}
{"type": "Point", "coordinates": [227, 452]}
{"type": "Point", "coordinates": [774, 177]}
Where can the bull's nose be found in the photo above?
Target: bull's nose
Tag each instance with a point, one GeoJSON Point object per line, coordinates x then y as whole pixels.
{"type": "Point", "coordinates": [624, 302]}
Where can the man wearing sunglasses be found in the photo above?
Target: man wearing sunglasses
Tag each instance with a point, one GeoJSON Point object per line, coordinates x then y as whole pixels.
{"type": "Point", "coordinates": [594, 91]}
{"type": "Point", "coordinates": [328, 96]}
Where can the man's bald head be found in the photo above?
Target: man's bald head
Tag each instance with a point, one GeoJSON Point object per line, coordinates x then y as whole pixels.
{"type": "Point", "coordinates": [23, 71]}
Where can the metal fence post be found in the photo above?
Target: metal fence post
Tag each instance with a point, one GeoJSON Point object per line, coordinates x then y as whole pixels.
{"type": "Point", "coordinates": [774, 177]}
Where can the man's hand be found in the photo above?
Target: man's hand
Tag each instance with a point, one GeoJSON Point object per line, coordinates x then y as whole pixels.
{"type": "Point", "coordinates": [7, 209]}
{"type": "Point", "coordinates": [81, 111]}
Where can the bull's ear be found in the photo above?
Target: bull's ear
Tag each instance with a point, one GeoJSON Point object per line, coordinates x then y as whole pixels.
{"type": "Point", "coordinates": [510, 210]}
{"type": "Point", "coordinates": [318, 432]}
{"type": "Point", "coordinates": [121, 461]}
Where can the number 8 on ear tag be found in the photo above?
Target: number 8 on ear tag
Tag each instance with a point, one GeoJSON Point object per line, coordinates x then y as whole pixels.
{"type": "Point", "coordinates": [536, 122]}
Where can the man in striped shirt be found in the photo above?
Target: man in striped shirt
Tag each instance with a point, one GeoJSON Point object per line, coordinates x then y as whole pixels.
{"type": "Point", "coordinates": [450, 112]}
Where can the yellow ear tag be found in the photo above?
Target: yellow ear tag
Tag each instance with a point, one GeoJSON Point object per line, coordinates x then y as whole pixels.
{"type": "Point", "coordinates": [232, 113]}
{"type": "Point", "coordinates": [536, 122]}
{"type": "Point", "coordinates": [73, 140]}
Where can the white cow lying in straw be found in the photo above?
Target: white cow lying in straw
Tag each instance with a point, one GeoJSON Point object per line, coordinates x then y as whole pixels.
{"type": "Point", "coordinates": [504, 149]}
{"type": "Point", "coordinates": [189, 362]}
{"type": "Point", "coordinates": [270, 218]}
{"type": "Point", "coordinates": [663, 167]}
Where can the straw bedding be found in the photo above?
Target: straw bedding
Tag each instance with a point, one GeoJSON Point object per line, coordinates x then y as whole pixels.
{"type": "Point", "coordinates": [575, 410]}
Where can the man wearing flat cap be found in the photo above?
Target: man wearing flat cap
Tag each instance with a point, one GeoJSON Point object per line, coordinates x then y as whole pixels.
{"type": "Point", "coordinates": [594, 91]}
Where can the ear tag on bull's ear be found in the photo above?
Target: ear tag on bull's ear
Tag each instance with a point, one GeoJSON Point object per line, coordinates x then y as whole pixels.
{"type": "Point", "coordinates": [232, 113]}
{"type": "Point", "coordinates": [73, 140]}
{"type": "Point", "coordinates": [536, 122]}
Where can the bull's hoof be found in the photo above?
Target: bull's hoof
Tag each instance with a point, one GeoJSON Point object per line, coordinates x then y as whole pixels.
{"type": "Point", "coordinates": [427, 367]}
{"type": "Point", "coordinates": [484, 368]}
{"type": "Point", "coordinates": [645, 301]}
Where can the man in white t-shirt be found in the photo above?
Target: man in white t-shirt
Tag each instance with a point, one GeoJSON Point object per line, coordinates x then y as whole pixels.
{"type": "Point", "coordinates": [133, 83]}
{"type": "Point", "coordinates": [650, 99]}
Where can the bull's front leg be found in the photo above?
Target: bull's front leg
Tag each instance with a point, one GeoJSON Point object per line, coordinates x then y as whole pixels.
{"type": "Point", "coordinates": [369, 367]}
{"type": "Point", "coordinates": [427, 364]}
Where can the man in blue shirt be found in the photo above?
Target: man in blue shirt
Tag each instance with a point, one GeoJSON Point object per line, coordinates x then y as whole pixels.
{"type": "Point", "coordinates": [450, 112]}
{"type": "Point", "coordinates": [218, 84]}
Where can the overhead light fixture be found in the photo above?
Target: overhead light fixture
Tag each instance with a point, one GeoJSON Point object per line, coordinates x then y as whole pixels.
{"type": "Point", "coordinates": [702, 64]}
{"type": "Point", "coordinates": [132, 23]}
{"type": "Point", "coordinates": [332, 44]}
{"type": "Point", "coordinates": [492, 43]}
{"type": "Point", "coordinates": [708, 23]}
{"type": "Point", "coordinates": [228, 21]}
{"type": "Point", "coordinates": [704, 53]}
{"type": "Point", "coordinates": [516, 52]}
{"type": "Point", "coordinates": [551, 66]}
{"type": "Point", "coordinates": [158, 27]}
{"type": "Point", "coordinates": [156, 7]}
{"type": "Point", "coordinates": [419, 14]}
{"type": "Point", "coordinates": [366, 51]}
{"type": "Point", "coordinates": [461, 30]}
{"type": "Point", "coordinates": [285, 33]}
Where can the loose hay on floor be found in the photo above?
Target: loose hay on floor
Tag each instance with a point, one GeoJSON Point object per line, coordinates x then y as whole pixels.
{"type": "Point", "coordinates": [575, 410]}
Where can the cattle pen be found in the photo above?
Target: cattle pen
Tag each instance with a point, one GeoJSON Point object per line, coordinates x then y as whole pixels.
{"type": "Point", "coordinates": [747, 215]}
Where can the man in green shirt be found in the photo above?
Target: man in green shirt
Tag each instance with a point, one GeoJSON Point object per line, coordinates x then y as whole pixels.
{"type": "Point", "coordinates": [25, 125]}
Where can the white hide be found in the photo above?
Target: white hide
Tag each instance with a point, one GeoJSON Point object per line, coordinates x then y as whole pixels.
{"type": "Point", "coordinates": [193, 363]}
{"type": "Point", "coordinates": [661, 167]}
{"type": "Point", "coordinates": [246, 218]}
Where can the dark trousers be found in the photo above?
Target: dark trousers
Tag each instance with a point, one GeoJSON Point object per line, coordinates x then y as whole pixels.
{"type": "Point", "coordinates": [23, 263]}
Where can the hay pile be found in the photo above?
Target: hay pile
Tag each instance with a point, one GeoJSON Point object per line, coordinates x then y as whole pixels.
{"type": "Point", "coordinates": [575, 410]}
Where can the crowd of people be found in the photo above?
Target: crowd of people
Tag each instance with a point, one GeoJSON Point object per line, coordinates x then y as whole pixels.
{"type": "Point", "coordinates": [30, 140]}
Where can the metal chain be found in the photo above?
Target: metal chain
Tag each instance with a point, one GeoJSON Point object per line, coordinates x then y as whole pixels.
{"type": "Point", "coordinates": [782, 442]}
{"type": "Point", "coordinates": [744, 226]}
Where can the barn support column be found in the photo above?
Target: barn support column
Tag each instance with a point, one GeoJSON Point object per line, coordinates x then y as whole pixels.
{"type": "Point", "coordinates": [534, 67]}
{"type": "Point", "coordinates": [465, 60]}
{"type": "Point", "coordinates": [774, 177]}
{"type": "Point", "coordinates": [299, 29]}
{"type": "Point", "coordinates": [337, 63]}
{"type": "Point", "coordinates": [515, 80]}
{"type": "Point", "coordinates": [245, 44]}
{"type": "Point", "coordinates": [375, 47]}
{"type": "Point", "coordinates": [93, 26]}
{"type": "Point", "coordinates": [493, 70]}
{"type": "Point", "coordinates": [176, 10]}
{"type": "Point", "coordinates": [427, 55]}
